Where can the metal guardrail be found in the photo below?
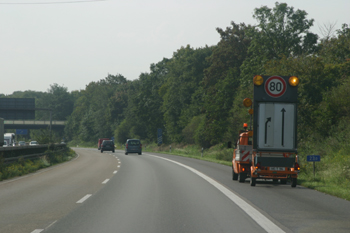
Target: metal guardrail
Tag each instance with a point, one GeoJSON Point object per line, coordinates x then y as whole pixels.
{"type": "Point", "coordinates": [30, 122]}
{"type": "Point", "coordinates": [8, 160]}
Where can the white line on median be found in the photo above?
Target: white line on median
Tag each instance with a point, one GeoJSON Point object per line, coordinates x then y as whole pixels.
{"type": "Point", "coordinates": [84, 198]}
{"type": "Point", "coordinates": [105, 181]}
{"type": "Point", "coordinates": [258, 217]}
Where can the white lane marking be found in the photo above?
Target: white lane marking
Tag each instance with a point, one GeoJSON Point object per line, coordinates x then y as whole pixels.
{"type": "Point", "coordinates": [84, 198]}
{"type": "Point", "coordinates": [115, 172]}
{"type": "Point", "coordinates": [118, 165]}
{"type": "Point", "coordinates": [105, 181]}
{"type": "Point", "coordinates": [37, 231]}
{"type": "Point", "coordinates": [258, 217]}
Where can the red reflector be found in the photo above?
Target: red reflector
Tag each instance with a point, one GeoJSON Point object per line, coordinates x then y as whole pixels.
{"type": "Point", "coordinates": [296, 166]}
{"type": "Point", "coordinates": [243, 169]}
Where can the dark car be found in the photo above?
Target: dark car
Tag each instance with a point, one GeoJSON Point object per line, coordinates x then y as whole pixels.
{"type": "Point", "coordinates": [107, 145]}
{"type": "Point", "coordinates": [133, 146]}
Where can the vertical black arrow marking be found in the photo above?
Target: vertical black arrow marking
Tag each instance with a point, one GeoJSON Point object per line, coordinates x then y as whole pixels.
{"type": "Point", "coordinates": [283, 111]}
{"type": "Point", "coordinates": [268, 119]}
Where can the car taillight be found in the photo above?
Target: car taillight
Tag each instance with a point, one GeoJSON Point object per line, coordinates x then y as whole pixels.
{"type": "Point", "coordinates": [126, 145]}
{"type": "Point", "coordinates": [296, 167]}
{"type": "Point", "coordinates": [140, 145]}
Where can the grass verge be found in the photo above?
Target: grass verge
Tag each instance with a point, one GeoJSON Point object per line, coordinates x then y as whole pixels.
{"type": "Point", "coordinates": [23, 167]}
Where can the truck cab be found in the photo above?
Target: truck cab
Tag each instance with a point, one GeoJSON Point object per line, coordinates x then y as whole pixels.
{"type": "Point", "coordinates": [242, 156]}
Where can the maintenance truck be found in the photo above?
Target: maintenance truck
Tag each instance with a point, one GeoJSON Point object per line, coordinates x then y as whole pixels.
{"type": "Point", "coordinates": [269, 151]}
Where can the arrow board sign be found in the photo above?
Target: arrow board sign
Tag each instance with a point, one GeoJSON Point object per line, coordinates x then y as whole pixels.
{"type": "Point", "coordinates": [276, 126]}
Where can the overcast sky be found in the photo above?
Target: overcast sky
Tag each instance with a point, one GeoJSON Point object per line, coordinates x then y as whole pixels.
{"type": "Point", "coordinates": [75, 42]}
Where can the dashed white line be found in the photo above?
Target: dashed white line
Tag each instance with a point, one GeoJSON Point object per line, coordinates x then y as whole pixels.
{"type": "Point", "coordinates": [105, 181]}
{"type": "Point", "coordinates": [115, 172]}
{"type": "Point", "coordinates": [84, 198]}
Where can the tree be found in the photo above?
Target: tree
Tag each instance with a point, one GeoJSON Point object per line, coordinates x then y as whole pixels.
{"type": "Point", "coordinates": [280, 31]}
{"type": "Point", "coordinates": [58, 100]}
{"type": "Point", "coordinates": [144, 107]}
{"type": "Point", "coordinates": [185, 72]}
{"type": "Point", "coordinates": [221, 80]}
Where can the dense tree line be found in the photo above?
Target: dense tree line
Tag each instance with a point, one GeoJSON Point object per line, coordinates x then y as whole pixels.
{"type": "Point", "coordinates": [196, 96]}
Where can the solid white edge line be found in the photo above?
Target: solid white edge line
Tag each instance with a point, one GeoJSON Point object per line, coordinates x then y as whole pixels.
{"type": "Point", "coordinates": [84, 198]}
{"type": "Point", "coordinates": [51, 224]}
{"type": "Point", "coordinates": [105, 181]}
{"type": "Point", "coordinates": [37, 231]}
{"type": "Point", "coordinates": [258, 217]}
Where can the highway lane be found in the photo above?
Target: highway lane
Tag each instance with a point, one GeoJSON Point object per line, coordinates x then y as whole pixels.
{"type": "Point", "coordinates": [150, 194]}
{"type": "Point", "coordinates": [35, 201]}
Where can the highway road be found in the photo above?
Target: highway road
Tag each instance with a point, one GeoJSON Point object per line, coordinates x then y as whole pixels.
{"type": "Point", "coordinates": [113, 192]}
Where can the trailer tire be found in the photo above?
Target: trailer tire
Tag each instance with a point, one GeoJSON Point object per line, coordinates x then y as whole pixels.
{"type": "Point", "coordinates": [234, 175]}
{"type": "Point", "coordinates": [283, 181]}
{"type": "Point", "coordinates": [294, 182]}
{"type": "Point", "coordinates": [252, 181]}
{"type": "Point", "coordinates": [241, 177]}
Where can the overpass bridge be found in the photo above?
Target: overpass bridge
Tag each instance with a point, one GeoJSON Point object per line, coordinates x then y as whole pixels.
{"type": "Point", "coordinates": [32, 124]}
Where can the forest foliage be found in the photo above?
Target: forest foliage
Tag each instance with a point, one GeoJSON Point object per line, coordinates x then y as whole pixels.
{"type": "Point", "coordinates": [195, 96]}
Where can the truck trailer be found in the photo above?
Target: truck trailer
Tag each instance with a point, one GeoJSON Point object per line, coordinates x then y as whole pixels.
{"type": "Point", "coordinates": [269, 151]}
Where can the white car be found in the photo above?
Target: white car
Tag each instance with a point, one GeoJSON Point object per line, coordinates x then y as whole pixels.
{"type": "Point", "coordinates": [33, 143]}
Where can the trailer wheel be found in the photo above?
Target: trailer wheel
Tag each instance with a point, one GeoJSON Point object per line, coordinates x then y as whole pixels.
{"type": "Point", "coordinates": [234, 175]}
{"type": "Point", "coordinates": [294, 182]}
{"type": "Point", "coordinates": [252, 181]}
{"type": "Point", "coordinates": [241, 177]}
{"type": "Point", "coordinates": [283, 181]}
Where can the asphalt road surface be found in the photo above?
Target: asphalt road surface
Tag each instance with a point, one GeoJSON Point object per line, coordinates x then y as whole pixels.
{"type": "Point", "coordinates": [113, 192]}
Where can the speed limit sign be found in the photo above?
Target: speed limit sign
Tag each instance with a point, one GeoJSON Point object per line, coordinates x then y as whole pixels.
{"type": "Point", "coordinates": [275, 86]}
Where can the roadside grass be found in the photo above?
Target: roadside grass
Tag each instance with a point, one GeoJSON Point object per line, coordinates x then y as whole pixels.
{"type": "Point", "coordinates": [217, 154]}
{"type": "Point", "coordinates": [78, 143]}
{"type": "Point", "coordinates": [332, 173]}
{"type": "Point", "coordinates": [24, 167]}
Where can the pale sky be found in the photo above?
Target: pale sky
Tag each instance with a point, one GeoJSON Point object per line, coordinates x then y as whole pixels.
{"type": "Point", "coordinates": [73, 44]}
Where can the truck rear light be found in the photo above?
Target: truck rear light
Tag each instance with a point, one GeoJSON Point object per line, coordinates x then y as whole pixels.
{"type": "Point", "coordinates": [258, 165]}
{"type": "Point", "coordinates": [296, 167]}
{"type": "Point", "coordinates": [243, 169]}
